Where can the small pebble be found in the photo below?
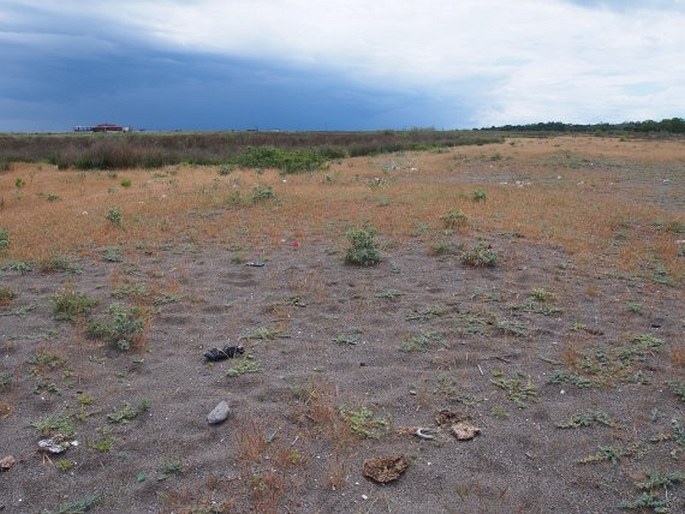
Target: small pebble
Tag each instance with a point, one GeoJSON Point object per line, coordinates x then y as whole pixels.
{"type": "Point", "coordinates": [364, 497]}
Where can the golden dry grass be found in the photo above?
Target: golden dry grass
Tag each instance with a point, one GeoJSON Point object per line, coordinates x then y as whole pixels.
{"type": "Point", "coordinates": [578, 192]}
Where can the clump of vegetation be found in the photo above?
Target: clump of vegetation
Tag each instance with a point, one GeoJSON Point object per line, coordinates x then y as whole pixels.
{"type": "Point", "coordinates": [612, 454]}
{"type": "Point", "coordinates": [114, 217]}
{"type": "Point", "coordinates": [421, 342]}
{"type": "Point", "coordinates": [678, 388]}
{"type": "Point", "coordinates": [122, 328]}
{"type": "Point", "coordinates": [55, 424]}
{"type": "Point", "coordinates": [520, 388]}
{"type": "Point", "coordinates": [7, 294]}
{"type": "Point", "coordinates": [479, 195]}
{"type": "Point", "coordinates": [126, 182]}
{"type": "Point", "coordinates": [77, 507]}
{"type": "Point", "coordinates": [128, 412]}
{"type": "Point", "coordinates": [445, 248]}
{"type": "Point", "coordinates": [58, 263]}
{"type": "Point", "coordinates": [363, 423]}
{"type": "Point", "coordinates": [69, 306]}
{"type": "Point", "coordinates": [4, 238]}
{"type": "Point", "coordinates": [243, 367]}
{"type": "Point", "coordinates": [454, 218]}
{"type": "Point", "coordinates": [171, 468]}
{"type": "Point", "coordinates": [600, 366]}
{"type": "Point", "coordinates": [21, 267]}
{"type": "Point", "coordinates": [111, 254]}
{"type": "Point", "coordinates": [587, 419]}
{"type": "Point", "coordinates": [481, 255]}
{"type": "Point", "coordinates": [262, 193]}
{"type": "Point", "coordinates": [363, 249]}
{"type": "Point", "coordinates": [286, 160]}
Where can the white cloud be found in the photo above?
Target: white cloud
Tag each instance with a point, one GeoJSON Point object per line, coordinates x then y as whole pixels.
{"type": "Point", "coordinates": [514, 61]}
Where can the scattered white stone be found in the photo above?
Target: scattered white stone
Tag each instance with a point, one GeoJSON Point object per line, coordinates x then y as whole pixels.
{"type": "Point", "coordinates": [364, 497]}
{"type": "Point", "coordinates": [218, 414]}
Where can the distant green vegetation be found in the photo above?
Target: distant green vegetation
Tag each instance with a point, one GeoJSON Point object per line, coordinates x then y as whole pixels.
{"type": "Point", "coordinates": [290, 152]}
{"type": "Point", "coordinates": [665, 126]}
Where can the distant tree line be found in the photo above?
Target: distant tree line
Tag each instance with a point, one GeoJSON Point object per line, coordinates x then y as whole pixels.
{"type": "Point", "coordinates": [666, 126]}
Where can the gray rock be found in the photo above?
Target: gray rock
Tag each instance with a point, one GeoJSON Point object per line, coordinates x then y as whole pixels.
{"type": "Point", "coordinates": [219, 414]}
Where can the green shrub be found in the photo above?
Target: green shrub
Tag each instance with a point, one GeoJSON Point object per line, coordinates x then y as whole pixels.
{"type": "Point", "coordinates": [4, 238]}
{"type": "Point", "coordinates": [69, 306]}
{"type": "Point", "coordinates": [454, 218]}
{"type": "Point", "coordinates": [7, 294]}
{"type": "Point", "coordinates": [363, 249]}
{"type": "Point", "coordinates": [126, 182]}
{"type": "Point", "coordinates": [261, 193]}
{"type": "Point", "coordinates": [114, 216]}
{"type": "Point", "coordinates": [479, 195]}
{"type": "Point", "coordinates": [480, 255]}
{"type": "Point", "coordinates": [121, 327]}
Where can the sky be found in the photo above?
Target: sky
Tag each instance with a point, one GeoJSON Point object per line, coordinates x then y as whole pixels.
{"type": "Point", "coordinates": [338, 65]}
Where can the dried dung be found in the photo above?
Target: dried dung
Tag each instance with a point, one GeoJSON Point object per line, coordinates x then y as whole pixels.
{"type": "Point", "coordinates": [386, 469]}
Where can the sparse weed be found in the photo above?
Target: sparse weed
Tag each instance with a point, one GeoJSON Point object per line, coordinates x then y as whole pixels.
{"type": "Point", "coordinates": [390, 294]}
{"type": "Point", "coordinates": [428, 313]}
{"type": "Point", "coordinates": [171, 468]}
{"type": "Point", "coordinates": [363, 423]}
{"type": "Point", "coordinates": [520, 388]}
{"type": "Point", "coordinates": [363, 249]}
{"type": "Point", "coordinates": [70, 306]}
{"type": "Point", "coordinates": [111, 254]}
{"type": "Point", "coordinates": [123, 328]}
{"type": "Point", "coordinates": [479, 256]}
{"type": "Point", "coordinates": [265, 334]}
{"type": "Point", "coordinates": [104, 444]}
{"type": "Point", "coordinates": [21, 267]}
{"type": "Point", "coordinates": [127, 412]}
{"type": "Point", "coordinates": [76, 507]}
{"type": "Point", "coordinates": [454, 218]}
{"type": "Point", "coordinates": [244, 366]}
{"type": "Point", "coordinates": [262, 193]}
{"type": "Point", "coordinates": [126, 182]}
{"type": "Point", "coordinates": [479, 195]}
{"type": "Point", "coordinates": [54, 424]}
{"type": "Point", "coordinates": [4, 238]}
{"type": "Point", "coordinates": [65, 464]}
{"type": "Point", "coordinates": [58, 263]}
{"type": "Point", "coordinates": [634, 308]}
{"type": "Point", "coordinates": [612, 454]}
{"type": "Point", "coordinates": [421, 342]}
{"type": "Point", "coordinates": [7, 294]}
{"type": "Point", "coordinates": [678, 389]}
{"type": "Point", "coordinates": [587, 419]}
{"type": "Point", "coordinates": [114, 217]}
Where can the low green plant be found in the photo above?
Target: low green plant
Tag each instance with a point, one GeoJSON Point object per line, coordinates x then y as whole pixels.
{"type": "Point", "coordinates": [421, 342]}
{"type": "Point", "coordinates": [678, 389]}
{"type": "Point", "coordinates": [114, 217]}
{"type": "Point", "coordinates": [479, 195]}
{"type": "Point", "coordinates": [613, 454]}
{"type": "Point", "coordinates": [244, 366]}
{"type": "Point", "coordinates": [499, 412]}
{"type": "Point", "coordinates": [346, 340]}
{"type": "Point", "coordinates": [586, 419]}
{"type": "Point", "coordinates": [262, 193]}
{"type": "Point", "coordinates": [225, 170]}
{"type": "Point", "coordinates": [21, 267]}
{"type": "Point", "coordinates": [111, 254]}
{"type": "Point", "coordinates": [265, 334]}
{"type": "Point", "coordinates": [481, 255]}
{"type": "Point", "coordinates": [444, 248]}
{"type": "Point", "coordinates": [363, 423]}
{"type": "Point", "coordinates": [634, 307]}
{"type": "Point", "coordinates": [54, 424]}
{"type": "Point", "coordinates": [58, 263]}
{"type": "Point", "coordinates": [104, 444]}
{"type": "Point", "coordinates": [422, 315]}
{"type": "Point", "coordinates": [41, 360]}
{"type": "Point", "coordinates": [171, 468]}
{"type": "Point", "coordinates": [563, 376]}
{"type": "Point", "coordinates": [126, 182]}
{"type": "Point", "coordinates": [7, 294]}
{"type": "Point", "coordinates": [70, 306]}
{"type": "Point", "coordinates": [122, 327]}
{"type": "Point", "coordinates": [19, 183]}
{"type": "Point", "coordinates": [128, 412]}
{"type": "Point", "coordinates": [65, 464]}
{"type": "Point", "coordinates": [363, 249]}
{"type": "Point", "coordinates": [390, 294]}
{"type": "Point", "coordinates": [520, 388]}
{"type": "Point", "coordinates": [4, 238]}
{"type": "Point", "coordinates": [6, 379]}
{"type": "Point", "coordinates": [454, 218]}
{"type": "Point", "coordinates": [76, 507]}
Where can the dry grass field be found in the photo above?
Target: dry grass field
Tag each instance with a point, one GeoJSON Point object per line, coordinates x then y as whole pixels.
{"type": "Point", "coordinates": [532, 288]}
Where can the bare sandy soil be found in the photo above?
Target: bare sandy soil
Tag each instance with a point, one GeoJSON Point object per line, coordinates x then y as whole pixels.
{"type": "Point", "coordinates": [571, 373]}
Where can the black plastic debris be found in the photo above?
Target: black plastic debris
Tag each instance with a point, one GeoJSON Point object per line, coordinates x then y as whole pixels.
{"type": "Point", "coordinates": [227, 352]}
{"type": "Point", "coordinates": [257, 264]}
